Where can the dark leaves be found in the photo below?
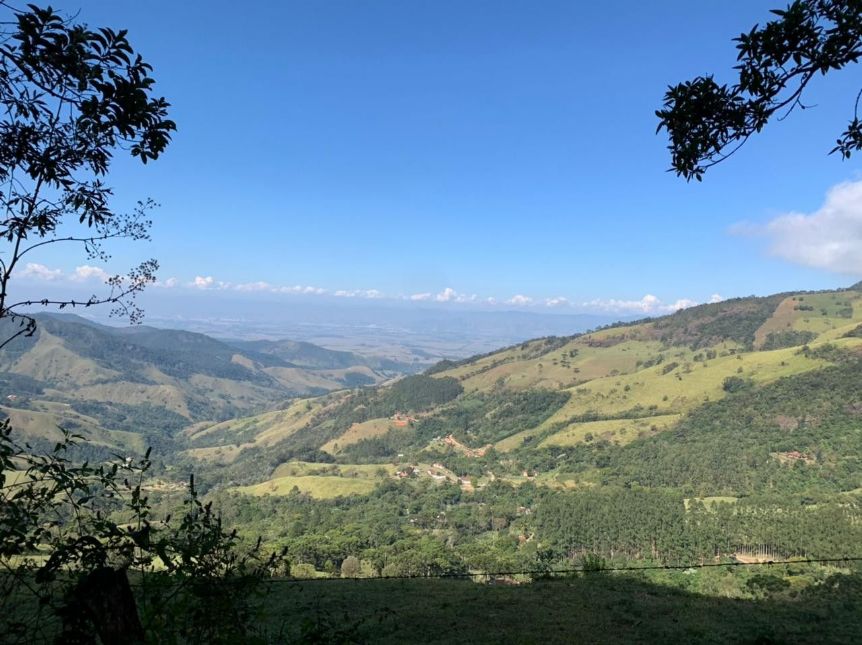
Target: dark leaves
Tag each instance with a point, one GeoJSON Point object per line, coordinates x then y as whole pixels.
{"type": "Point", "coordinates": [71, 98]}
{"type": "Point", "coordinates": [707, 122]}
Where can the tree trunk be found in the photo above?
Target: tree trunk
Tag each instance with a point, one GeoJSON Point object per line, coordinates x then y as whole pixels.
{"type": "Point", "coordinates": [101, 604]}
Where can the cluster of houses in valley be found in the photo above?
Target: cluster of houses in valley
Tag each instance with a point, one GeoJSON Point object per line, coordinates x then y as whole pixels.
{"type": "Point", "coordinates": [438, 472]}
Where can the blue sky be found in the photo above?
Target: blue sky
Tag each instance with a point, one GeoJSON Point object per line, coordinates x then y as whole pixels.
{"type": "Point", "coordinates": [502, 149]}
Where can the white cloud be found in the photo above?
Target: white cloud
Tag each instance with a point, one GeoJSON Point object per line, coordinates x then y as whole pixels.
{"type": "Point", "coordinates": [41, 272]}
{"type": "Point", "coordinates": [645, 305]}
{"type": "Point", "coordinates": [87, 272]}
{"type": "Point", "coordinates": [447, 295]}
{"type": "Point", "coordinates": [258, 286]}
{"type": "Point", "coordinates": [359, 293]}
{"type": "Point", "coordinates": [203, 282]}
{"type": "Point", "coordinates": [450, 295]}
{"type": "Point", "coordinates": [208, 282]}
{"type": "Point", "coordinates": [519, 300]}
{"type": "Point", "coordinates": [829, 238]}
{"type": "Point", "coordinates": [254, 286]}
{"type": "Point", "coordinates": [682, 303]}
{"type": "Point", "coordinates": [649, 304]}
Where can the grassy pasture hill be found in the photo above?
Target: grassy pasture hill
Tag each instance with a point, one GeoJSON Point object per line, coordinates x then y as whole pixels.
{"type": "Point", "coordinates": [107, 382]}
{"type": "Point", "coordinates": [576, 409]}
{"type": "Point", "coordinates": [248, 449]}
{"type": "Point", "coordinates": [725, 433]}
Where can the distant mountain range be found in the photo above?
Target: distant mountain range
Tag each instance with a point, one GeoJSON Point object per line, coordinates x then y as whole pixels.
{"type": "Point", "coordinates": [731, 398]}
{"type": "Point", "coordinates": [313, 357]}
{"type": "Point", "coordinates": [105, 380]}
{"type": "Point", "coordinates": [606, 405]}
{"type": "Point", "coordinates": [402, 332]}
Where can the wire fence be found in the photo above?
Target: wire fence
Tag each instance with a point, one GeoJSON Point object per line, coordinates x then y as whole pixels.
{"type": "Point", "coordinates": [550, 573]}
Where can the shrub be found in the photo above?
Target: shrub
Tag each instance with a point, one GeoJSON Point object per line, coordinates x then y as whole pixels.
{"type": "Point", "coordinates": [736, 384]}
{"type": "Point", "coordinates": [351, 567]}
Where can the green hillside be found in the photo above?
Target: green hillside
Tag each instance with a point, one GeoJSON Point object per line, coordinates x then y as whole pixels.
{"type": "Point", "coordinates": [731, 430]}
{"type": "Point", "coordinates": [113, 383]}
{"type": "Point", "coordinates": [617, 386]}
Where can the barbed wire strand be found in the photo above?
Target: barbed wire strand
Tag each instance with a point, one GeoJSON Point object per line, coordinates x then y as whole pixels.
{"type": "Point", "coordinates": [562, 572]}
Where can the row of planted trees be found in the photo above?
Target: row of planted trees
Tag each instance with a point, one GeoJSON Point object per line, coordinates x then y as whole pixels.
{"type": "Point", "coordinates": [644, 524]}
{"type": "Point", "coordinates": [417, 528]}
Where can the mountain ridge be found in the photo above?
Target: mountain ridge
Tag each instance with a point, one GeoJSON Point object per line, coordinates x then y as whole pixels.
{"type": "Point", "coordinates": [722, 433]}
{"type": "Point", "coordinates": [616, 386]}
{"type": "Point", "coordinates": [102, 379]}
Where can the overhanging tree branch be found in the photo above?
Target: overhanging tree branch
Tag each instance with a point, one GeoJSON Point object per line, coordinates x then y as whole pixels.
{"type": "Point", "coordinates": [708, 122]}
{"type": "Point", "coordinates": [69, 98]}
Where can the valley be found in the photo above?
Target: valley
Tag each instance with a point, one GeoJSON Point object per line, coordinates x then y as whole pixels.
{"type": "Point", "coordinates": [749, 404]}
{"type": "Point", "coordinates": [410, 321]}
{"type": "Point", "coordinates": [725, 433]}
{"type": "Point", "coordinates": [613, 390]}
{"type": "Point", "coordinates": [128, 387]}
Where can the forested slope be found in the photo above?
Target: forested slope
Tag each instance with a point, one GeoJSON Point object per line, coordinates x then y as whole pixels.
{"type": "Point", "coordinates": [731, 430]}
{"type": "Point", "coordinates": [723, 431]}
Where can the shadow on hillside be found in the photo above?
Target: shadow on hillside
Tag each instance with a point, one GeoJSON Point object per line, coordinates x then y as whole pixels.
{"type": "Point", "coordinates": [596, 608]}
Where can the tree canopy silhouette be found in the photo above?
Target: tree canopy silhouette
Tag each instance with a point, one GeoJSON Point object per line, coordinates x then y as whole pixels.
{"type": "Point", "coordinates": [707, 122]}
{"type": "Point", "coordinates": [70, 98]}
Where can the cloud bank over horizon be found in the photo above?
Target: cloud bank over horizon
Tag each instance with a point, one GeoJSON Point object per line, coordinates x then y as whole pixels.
{"type": "Point", "coordinates": [649, 304]}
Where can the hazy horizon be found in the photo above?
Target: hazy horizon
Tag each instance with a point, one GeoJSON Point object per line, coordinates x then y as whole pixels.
{"type": "Point", "coordinates": [449, 155]}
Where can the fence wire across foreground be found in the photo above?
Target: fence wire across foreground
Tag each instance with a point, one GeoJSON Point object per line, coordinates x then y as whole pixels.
{"type": "Point", "coordinates": [549, 573]}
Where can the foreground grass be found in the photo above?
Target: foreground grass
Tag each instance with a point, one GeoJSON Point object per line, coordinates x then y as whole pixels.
{"type": "Point", "coordinates": [590, 608]}
{"type": "Point", "coordinates": [598, 608]}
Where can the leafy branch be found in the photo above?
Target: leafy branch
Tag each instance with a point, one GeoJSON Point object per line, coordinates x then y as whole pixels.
{"type": "Point", "coordinates": [70, 97]}
{"type": "Point", "coordinates": [708, 122]}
